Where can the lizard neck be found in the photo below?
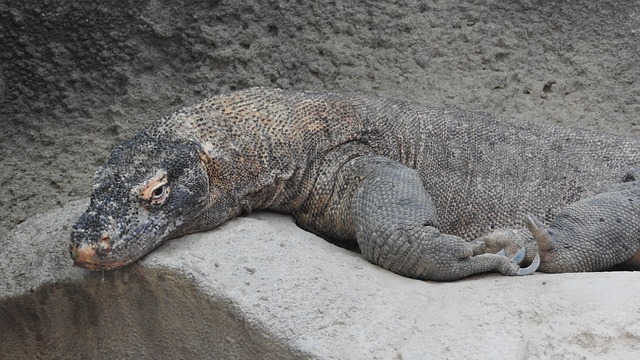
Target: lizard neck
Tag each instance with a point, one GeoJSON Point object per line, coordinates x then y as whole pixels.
{"type": "Point", "coordinates": [283, 192]}
{"type": "Point", "coordinates": [269, 182]}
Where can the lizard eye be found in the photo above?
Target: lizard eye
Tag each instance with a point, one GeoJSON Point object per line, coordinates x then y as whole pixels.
{"type": "Point", "coordinates": [159, 193]}
{"type": "Point", "coordinates": [156, 191]}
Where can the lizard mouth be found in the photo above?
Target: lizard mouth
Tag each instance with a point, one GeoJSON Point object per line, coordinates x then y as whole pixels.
{"type": "Point", "coordinates": [98, 256]}
{"type": "Point", "coordinates": [85, 257]}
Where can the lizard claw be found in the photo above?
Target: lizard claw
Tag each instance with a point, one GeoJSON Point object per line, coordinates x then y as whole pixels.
{"type": "Point", "coordinates": [531, 268]}
{"type": "Point", "coordinates": [519, 257]}
{"type": "Point", "coordinates": [539, 234]}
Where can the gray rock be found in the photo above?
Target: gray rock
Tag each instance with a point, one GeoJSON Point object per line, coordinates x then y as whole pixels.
{"type": "Point", "coordinates": [261, 288]}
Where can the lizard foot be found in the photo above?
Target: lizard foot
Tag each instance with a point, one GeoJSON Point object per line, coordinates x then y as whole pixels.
{"type": "Point", "coordinates": [519, 257]}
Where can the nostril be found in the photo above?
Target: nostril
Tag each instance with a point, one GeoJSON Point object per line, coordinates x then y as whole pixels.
{"type": "Point", "coordinates": [104, 245]}
{"type": "Point", "coordinates": [73, 250]}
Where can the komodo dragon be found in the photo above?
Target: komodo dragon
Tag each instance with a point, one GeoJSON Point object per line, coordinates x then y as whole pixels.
{"type": "Point", "coordinates": [426, 193]}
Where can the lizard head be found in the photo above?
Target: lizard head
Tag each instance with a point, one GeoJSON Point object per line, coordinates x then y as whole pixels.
{"type": "Point", "coordinates": [149, 190]}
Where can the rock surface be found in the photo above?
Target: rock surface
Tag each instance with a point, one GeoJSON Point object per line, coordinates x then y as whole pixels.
{"type": "Point", "coordinates": [78, 77]}
{"type": "Point", "coordinates": [261, 288]}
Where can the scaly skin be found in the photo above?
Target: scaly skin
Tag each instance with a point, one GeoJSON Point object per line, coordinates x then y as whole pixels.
{"type": "Point", "coordinates": [426, 193]}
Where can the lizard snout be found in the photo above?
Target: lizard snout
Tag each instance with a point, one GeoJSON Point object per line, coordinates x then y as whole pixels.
{"type": "Point", "coordinates": [92, 256]}
{"type": "Point", "coordinates": [84, 255]}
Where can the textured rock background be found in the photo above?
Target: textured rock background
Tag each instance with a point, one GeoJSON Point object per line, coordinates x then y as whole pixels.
{"type": "Point", "coordinates": [78, 77]}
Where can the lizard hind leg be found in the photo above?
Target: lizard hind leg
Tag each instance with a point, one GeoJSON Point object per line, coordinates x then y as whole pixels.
{"type": "Point", "coordinates": [593, 234]}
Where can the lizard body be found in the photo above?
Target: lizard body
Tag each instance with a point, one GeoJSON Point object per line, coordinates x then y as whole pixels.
{"type": "Point", "coordinates": [427, 193]}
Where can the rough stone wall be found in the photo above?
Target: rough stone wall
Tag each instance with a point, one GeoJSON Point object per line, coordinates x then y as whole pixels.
{"type": "Point", "coordinates": [77, 77]}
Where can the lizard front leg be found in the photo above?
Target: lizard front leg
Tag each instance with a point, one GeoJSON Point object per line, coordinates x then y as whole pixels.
{"type": "Point", "coordinates": [385, 206]}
